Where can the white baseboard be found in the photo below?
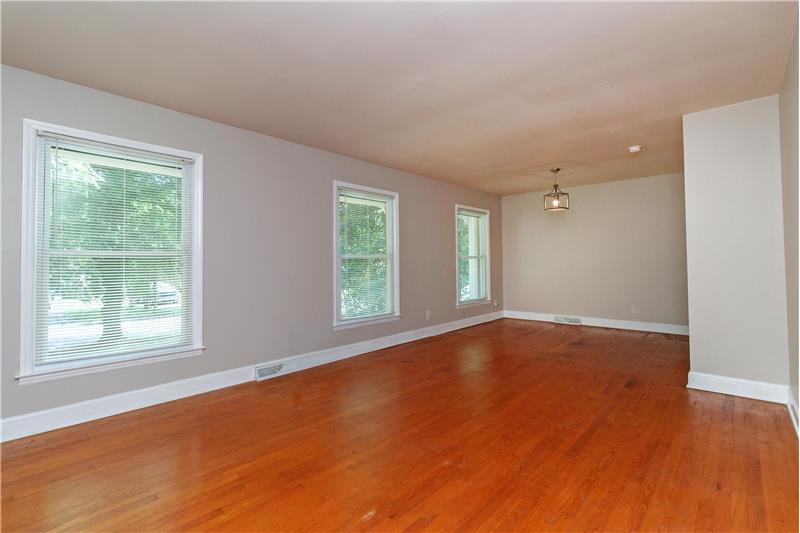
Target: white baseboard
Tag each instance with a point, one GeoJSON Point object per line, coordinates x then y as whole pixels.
{"type": "Point", "coordinates": [758, 390]}
{"type": "Point", "coordinates": [76, 413]}
{"type": "Point", "coordinates": [793, 414]}
{"type": "Point", "coordinates": [655, 327]}
{"type": "Point", "coordinates": [329, 355]}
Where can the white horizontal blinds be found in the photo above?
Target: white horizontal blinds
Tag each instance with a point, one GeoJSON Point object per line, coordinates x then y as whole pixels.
{"type": "Point", "coordinates": [472, 254]}
{"type": "Point", "coordinates": [113, 251]}
{"type": "Point", "coordinates": [365, 254]}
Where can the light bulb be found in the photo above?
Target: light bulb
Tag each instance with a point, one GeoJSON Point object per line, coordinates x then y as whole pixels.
{"type": "Point", "coordinates": [555, 202]}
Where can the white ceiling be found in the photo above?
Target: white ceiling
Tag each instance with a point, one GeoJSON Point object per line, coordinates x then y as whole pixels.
{"type": "Point", "coordinates": [489, 95]}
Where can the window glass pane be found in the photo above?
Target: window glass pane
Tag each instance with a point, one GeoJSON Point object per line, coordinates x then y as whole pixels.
{"type": "Point", "coordinates": [362, 226]}
{"type": "Point", "coordinates": [109, 203]}
{"type": "Point", "coordinates": [470, 234]}
{"type": "Point", "coordinates": [365, 287]}
{"type": "Point", "coordinates": [86, 206]}
{"type": "Point", "coordinates": [471, 278]}
{"type": "Point", "coordinates": [100, 306]}
{"type": "Point", "coordinates": [153, 211]}
{"type": "Point", "coordinates": [462, 235]}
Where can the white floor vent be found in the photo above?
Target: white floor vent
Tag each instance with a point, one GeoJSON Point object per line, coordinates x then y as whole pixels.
{"type": "Point", "coordinates": [266, 372]}
{"type": "Point", "coordinates": [575, 321]}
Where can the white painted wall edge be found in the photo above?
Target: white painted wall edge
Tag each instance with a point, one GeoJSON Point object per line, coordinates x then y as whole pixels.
{"type": "Point", "coordinates": [758, 390]}
{"type": "Point", "coordinates": [76, 413]}
{"type": "Point", "coordinates": [792, 406]}
{"type": "Point", "coordinates": [655, 327]}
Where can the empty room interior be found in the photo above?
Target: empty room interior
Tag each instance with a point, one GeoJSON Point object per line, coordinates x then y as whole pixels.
{"type": "Point", "coordinates": [356, 266]}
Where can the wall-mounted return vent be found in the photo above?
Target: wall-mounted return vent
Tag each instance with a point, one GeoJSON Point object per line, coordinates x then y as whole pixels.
{"type": "Point", "coordinates": [575, 321]}
{"type": "Point", "coordinates": [266, 372]}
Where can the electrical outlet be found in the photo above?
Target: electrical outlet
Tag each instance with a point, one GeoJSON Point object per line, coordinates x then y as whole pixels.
{"type": "Point", "coordinates": [634, 309]}
{"type": "Point", "coordinates": [428, 314]}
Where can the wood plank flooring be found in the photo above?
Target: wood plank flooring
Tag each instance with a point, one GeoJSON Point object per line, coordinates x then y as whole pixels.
{"type": "Point", "coordinates": [506, 426]}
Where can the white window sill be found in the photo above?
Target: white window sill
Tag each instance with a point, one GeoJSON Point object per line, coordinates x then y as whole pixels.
{"type": "Point", "coordinates": [473, 303]}
{"type": "Point", "coordinates": [365, 322]}
{"type": "Point", "coordinates": [111, 363]}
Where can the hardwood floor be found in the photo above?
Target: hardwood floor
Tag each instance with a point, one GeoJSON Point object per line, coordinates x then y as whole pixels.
{"type": "Point", "coordinates": [506, 426]}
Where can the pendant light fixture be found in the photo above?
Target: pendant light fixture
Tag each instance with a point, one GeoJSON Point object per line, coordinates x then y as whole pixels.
{"type": "Point", "coordinates": [556, 200]}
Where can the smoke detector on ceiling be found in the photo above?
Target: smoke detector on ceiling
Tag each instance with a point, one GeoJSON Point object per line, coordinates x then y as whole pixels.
{"type": "Point", "coordinates": [635, 149]}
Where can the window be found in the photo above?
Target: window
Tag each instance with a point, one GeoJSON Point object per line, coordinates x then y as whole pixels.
{"type": "Point", "coordinates": [365, 249]}
{"type": "Point", "coordinates": [472, 254]}
{"type": "Point", "coordinates": [111, 252]}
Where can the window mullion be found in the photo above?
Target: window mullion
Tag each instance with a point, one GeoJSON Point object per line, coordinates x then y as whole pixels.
{"type": "Point", "coordinates": [357, 256]}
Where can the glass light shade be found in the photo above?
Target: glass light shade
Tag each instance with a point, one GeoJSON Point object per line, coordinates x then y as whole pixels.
{"type": "Point", "coordinates": [556, 200]}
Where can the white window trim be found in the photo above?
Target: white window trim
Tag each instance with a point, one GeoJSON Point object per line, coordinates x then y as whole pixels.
{"type": "Point", "coordinates": [375, 319]}
{"type": "Point", "coordinates": [28, 373]}
{"type": "Point", "coordinates": [488, 299]}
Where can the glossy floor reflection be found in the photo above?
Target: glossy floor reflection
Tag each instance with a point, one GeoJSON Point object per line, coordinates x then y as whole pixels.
{"type": "Point", "coordinates": [506, 426]}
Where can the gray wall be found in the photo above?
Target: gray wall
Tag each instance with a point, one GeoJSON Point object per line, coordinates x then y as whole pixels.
{"type": "Point", "coordinates": [789, 170]}
{"type": "Point", "coordinates": [621, 244]}
{"type": "Point", "coordinates": [734, 239]}
{"type": "Point", "coordinates": [267, 240]}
